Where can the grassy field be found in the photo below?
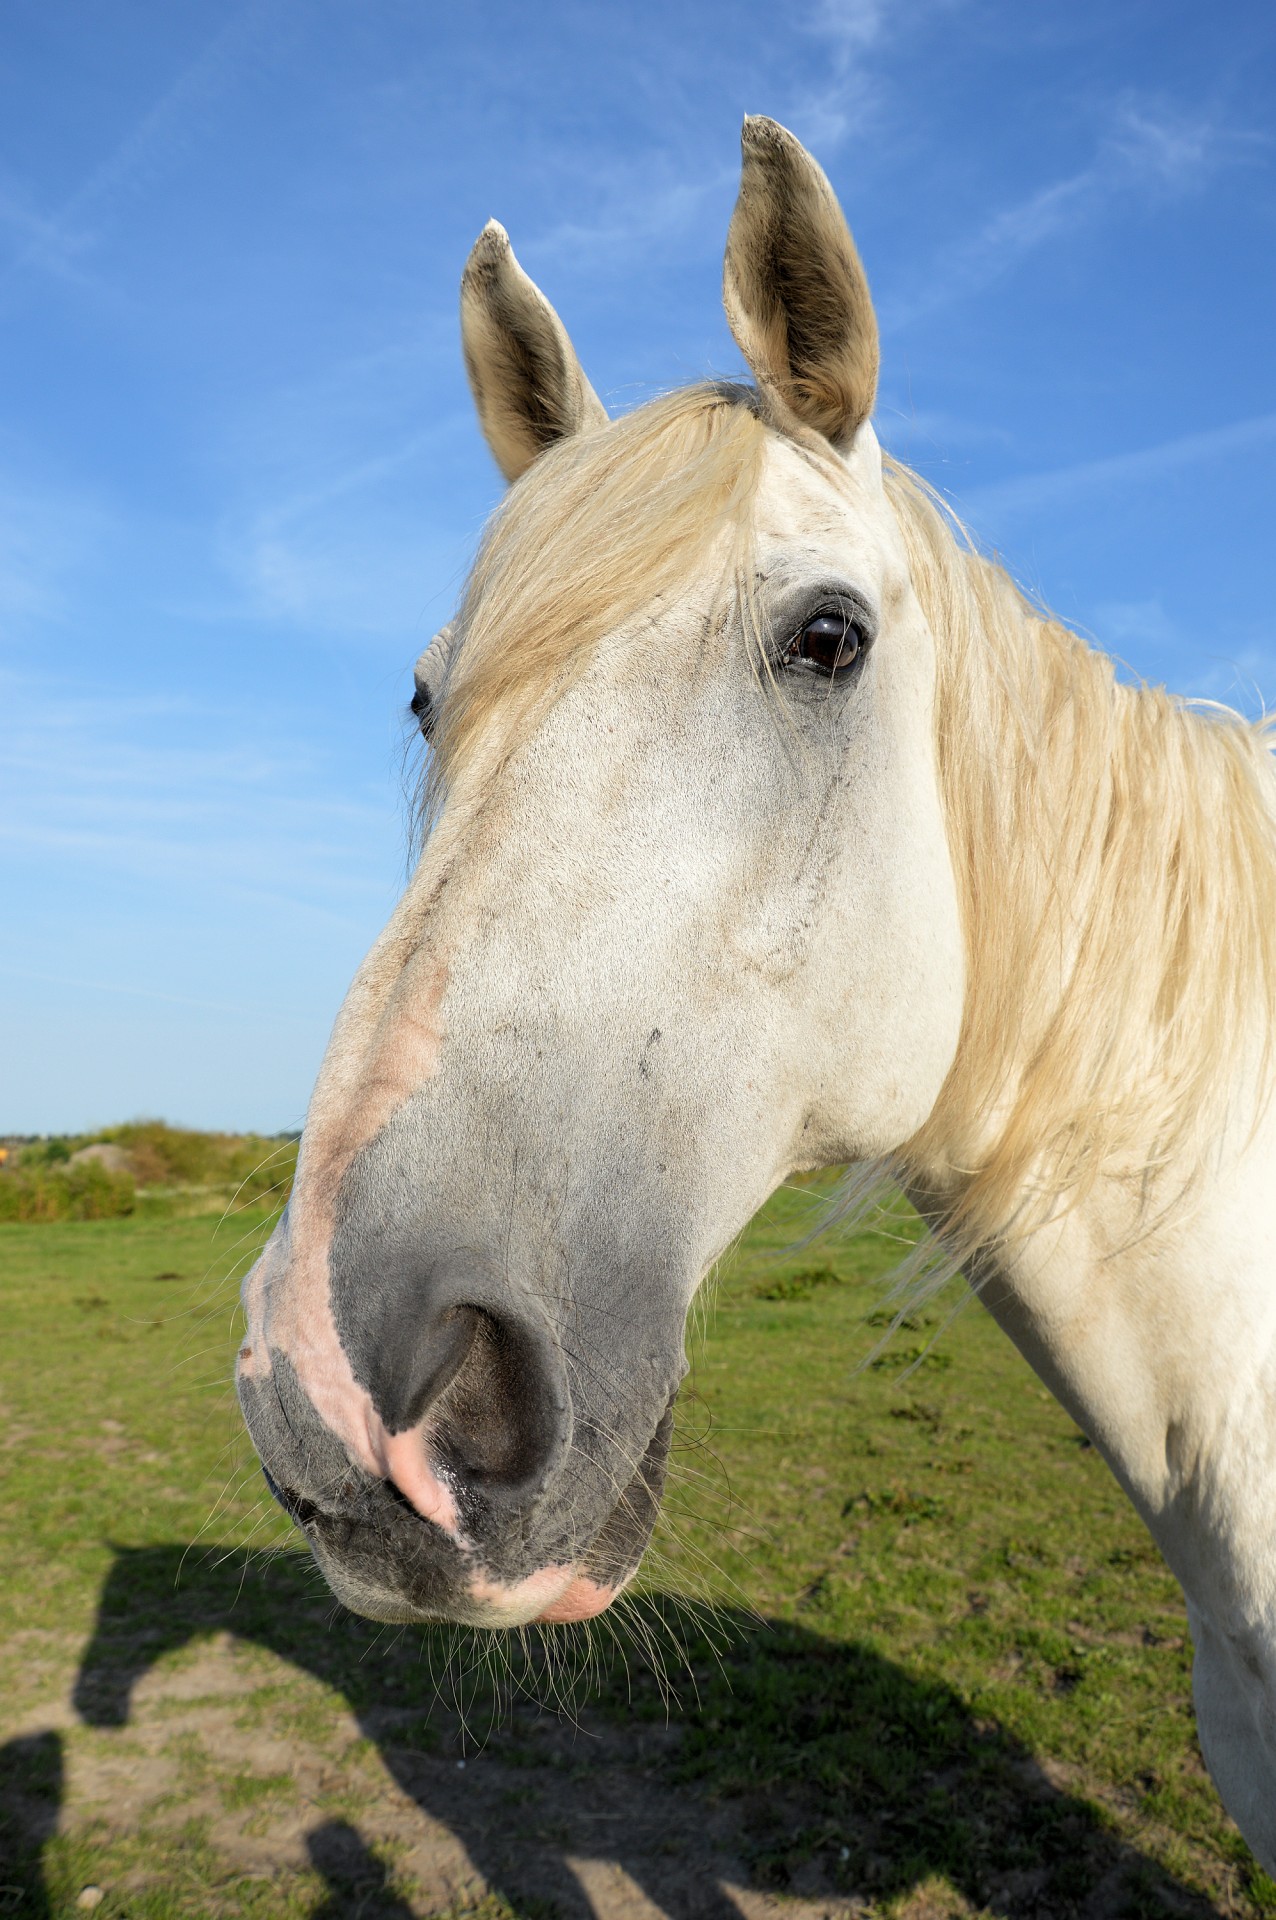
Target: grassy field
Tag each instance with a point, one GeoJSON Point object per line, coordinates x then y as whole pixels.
{"type": "Point", "coordinates": [902, 1648]}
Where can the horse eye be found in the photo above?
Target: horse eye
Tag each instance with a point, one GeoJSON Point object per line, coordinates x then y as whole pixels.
{"type": "Point", "coordinates": [830, 642]}
{"type": "Point", "coordinates": [422, 708]}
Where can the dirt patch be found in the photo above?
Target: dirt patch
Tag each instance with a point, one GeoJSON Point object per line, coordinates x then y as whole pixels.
{"type": "Point", "coordinates": [568, 1819]}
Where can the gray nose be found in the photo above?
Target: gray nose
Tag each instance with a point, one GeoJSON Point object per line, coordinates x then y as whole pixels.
{"type": "Point", "coordinates": [445, 1341]}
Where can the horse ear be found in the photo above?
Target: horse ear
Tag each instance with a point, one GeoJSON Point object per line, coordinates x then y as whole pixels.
{"type": "Point", "coordinates": [528, 385]}
{"type": "Point", "coordinates": [795, 293]}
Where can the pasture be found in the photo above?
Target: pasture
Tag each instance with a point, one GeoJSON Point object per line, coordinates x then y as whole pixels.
{"type": "Point", "coordinates": [902, 1647]}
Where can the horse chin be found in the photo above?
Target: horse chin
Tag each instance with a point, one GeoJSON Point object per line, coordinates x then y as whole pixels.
{"type": "Point", "coordinates": [552, 1596]}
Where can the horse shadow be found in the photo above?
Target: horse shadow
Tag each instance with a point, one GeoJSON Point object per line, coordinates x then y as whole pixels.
{"type": "Point", "coordinates": [797, 1764]}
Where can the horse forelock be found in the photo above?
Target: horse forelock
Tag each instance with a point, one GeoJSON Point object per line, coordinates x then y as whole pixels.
{"type": "Point", "coordinates": [601, 526]}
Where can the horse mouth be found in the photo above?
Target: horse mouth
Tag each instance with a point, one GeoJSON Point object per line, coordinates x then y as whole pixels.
{"type": "Point", "coordinates": [384, 1561]}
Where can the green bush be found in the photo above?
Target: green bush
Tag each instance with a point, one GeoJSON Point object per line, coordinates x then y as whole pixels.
{"type": "Point", "coordinates": [243, 1163]}
{"type": "Point", "coordinates": [44, 1155]}
{"type": "Point", "coordinates": [171, 1167]}
{"type": "Point", "coordinates": [88, 1191]}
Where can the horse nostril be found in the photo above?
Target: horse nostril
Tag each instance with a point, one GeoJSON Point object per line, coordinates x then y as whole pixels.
{"type": "Point", "coordinates": [472, 1393]}
{"type": "Point", "coordinates": [437, 1357]}
{"type": "Point", "coordinates": [502, 1415]}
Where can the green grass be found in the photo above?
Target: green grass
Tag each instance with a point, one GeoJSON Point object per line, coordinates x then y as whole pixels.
{"type": "Point", "coordinates": [932, 1664]}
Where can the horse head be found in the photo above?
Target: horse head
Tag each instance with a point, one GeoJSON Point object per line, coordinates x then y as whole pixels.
{"type": "Point", "coordinates": [685, 922]}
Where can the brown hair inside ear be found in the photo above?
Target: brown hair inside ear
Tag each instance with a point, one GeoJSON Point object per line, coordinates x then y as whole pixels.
{"type": "Point", "coordinates": [796, 295]}
{"type": "Point", "coordinates": [528, 385]}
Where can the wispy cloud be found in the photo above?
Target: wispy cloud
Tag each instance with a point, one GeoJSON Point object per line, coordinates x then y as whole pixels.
{"type": "Point", "coordinates": [79, 984]}
{"type": "Point", "coordinates": [925, 434]}
{"type": "Point", "coordinates": [338, 515]}
{"type": "Point", "coordinates": [363, 577]}
{"type": "Point", "coordinates": [39, 237]}
{"type": "Point", "coordinates": [1147, 149]}
{"type": "Point", "coordinates": [849, 31]}
{"type": "Point", "coordinates": [850, 24]}
{"type": "Point", "coordinates": [357, 548]}
{"type": "Point", "coordinates": [1032, 493]}
{"type": "Point", "coordinates": [171, 792]}
{"type": "Point", "coordinates": [632, 212]}
{"type": "Point", "coordinates": [60, 243]}
{"type": "Point", "coordinates": [1234, 669]}
{"type": "Point", "coordinates": [47, 536]}
{"type": "Point", "coordinates": [1177, 149]}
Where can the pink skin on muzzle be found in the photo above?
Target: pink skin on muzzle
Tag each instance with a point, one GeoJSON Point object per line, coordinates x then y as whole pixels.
{"type": "Point", "coordinates": [554, 1597]}
{"type": "Point", "coordinates": [401, 1460]}
{"type": "Point", "coordinates": [286, 1296]}
{"type": "Point", "coordinates": [582, 1599]}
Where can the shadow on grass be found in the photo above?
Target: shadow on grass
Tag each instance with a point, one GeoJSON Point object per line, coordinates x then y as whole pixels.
{"type": "Point", "coordinates": [30, 1796]}
{"type": "Point", "coordinates": [796, 1763]}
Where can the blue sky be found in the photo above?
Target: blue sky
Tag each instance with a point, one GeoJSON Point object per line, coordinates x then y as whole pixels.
{"type": "Point", "coordinates": [240, 477]}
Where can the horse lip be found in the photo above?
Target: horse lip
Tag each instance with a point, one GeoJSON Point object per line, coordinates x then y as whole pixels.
{"type": "Point", "coordinates": [307, 1513]}
{"type": "Point", "coordinates": [300, 1510]}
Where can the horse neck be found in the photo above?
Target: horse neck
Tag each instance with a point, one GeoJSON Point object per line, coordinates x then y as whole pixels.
{"type": "Point", "coordinates": [1116, 859]}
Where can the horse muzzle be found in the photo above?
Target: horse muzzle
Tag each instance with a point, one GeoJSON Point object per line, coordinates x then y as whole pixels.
{"type": "Point", "coordinates": [469, 1521]}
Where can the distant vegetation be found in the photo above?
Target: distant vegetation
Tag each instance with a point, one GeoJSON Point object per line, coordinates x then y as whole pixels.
{"type": "Point", "coordinates": [145, 1166]}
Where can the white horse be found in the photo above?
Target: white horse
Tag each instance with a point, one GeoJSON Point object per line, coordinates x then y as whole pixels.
{"type": "Point", "coordinates": [772, 829]}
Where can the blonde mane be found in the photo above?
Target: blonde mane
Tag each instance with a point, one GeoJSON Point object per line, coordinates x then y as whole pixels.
{"type": "Point", "coordinates": [1114, 848]}
{"type": "Point", "coordinates": [1115, 855]}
